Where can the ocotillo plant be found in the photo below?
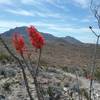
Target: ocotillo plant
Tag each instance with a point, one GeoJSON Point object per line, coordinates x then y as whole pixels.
{"type": "Point", "coordinates": [38, 42]}
{"type": "Point", "coordinates": [19, 45]}
{"type": "Point", "coordinates": [21, 66]}
{"type": "Point", "coordinates": [95, 8]}
{"type": "Point", "coordinates": [94, 61]}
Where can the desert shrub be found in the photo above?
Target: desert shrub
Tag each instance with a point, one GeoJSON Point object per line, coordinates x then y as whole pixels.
{"type": "Point", "coordinates": [2, 72]}
{"type": "Point", "coordinates": [7, 72]}
{"type": "Point", "coordinates": [85, 93]}
{"type": "Point", "coordinates": [10, 72]}
{"type": "Point", "coordinates": [6, 87]}
{"type": "Point", "coordinates": [44, 62]}
{"type": "Point", "coordinates": [97, 74]}
{"type": "Point", "coordinates": [54, 92]}
{"type": "Point", "coordinates": [65, 68]}
{"type": "Point", "coordinates": [4, 56]}
{"type": "Point", "coordinates": [2, 97]}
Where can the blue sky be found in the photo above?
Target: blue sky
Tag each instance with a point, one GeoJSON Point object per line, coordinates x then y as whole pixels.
{"type": "Point", "coordinates": [58, 17]}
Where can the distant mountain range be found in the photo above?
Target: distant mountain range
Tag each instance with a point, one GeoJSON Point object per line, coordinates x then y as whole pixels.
{"type": "Point", "coordinates": [60, 51]}
{"type": "Point", "coordinates": [47, 36]}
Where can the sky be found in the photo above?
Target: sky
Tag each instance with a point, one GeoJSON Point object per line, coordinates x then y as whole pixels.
{"type": "Point", "coordinates": [58, 17]}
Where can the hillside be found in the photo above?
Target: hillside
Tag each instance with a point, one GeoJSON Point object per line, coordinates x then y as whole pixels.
{"type": "Point", "coordinates": [61, 59]}
{"type": "Point", "coordinates": [61, 52]}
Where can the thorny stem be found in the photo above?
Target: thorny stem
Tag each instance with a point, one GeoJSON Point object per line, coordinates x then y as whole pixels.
{"type": "Point", "coordinates": [38, 63]}
{"type": "Point", "coordinates": [93, 31]}
{"type": "Point", "coordinates": [37, 86]}
{"type": "Point", "coordinates": [36, 82]}
{"type": "Point", "coordinates": [95, 12]}
{"type": "Point", "coordinates": [94, 63]}
{"type": "Point", "coordinates": [27, 85]}
{"type": "Point", "coordinates": [37, 71]}
{"type": "Point", "coordinates": [21, 65]}
{"type": "Point", "coordinates": [78, 85]}
{"type": "Point", "coordinates": [30, 61]}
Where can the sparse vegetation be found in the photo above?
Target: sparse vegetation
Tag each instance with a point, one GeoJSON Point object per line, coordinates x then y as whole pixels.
{"type": "Point", "coordinates": [4, 56]}
{"type": "Point", "coordinates": [97, 74]}
{"type": "Point", "coordinates": [6, 87]}
{"type": "Point", "coordinates": [85, 93]}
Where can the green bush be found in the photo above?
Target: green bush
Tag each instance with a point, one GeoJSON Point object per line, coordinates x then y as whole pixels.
{"type": "Point", "coordinates": [97, 74]}
{"type": "Point", "coordinates": [6, 87]}
{"type": "Point", "coordinates": [4, 56]}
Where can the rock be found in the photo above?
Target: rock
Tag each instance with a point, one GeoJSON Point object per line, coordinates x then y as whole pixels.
{"type": "Point", "coordinates": [54, 92]}
{"type": "Point", "coordinates": [7, 72]}
{"type": "Point", "coordinates": [2, 97]}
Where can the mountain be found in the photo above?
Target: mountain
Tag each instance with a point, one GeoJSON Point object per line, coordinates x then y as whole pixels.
{"type": "Point", "coordinates": [72, 40]}
{"type": "Point", "coordinates": [60, 51]}
{"type": "Point", "coordinates": [47, 36]}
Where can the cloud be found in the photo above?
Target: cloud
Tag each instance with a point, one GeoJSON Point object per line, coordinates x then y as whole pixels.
{"type": "Point", "coordinates": [43, 4]}
{"type": "Point", "coordinates": [51, 26]}
{"type": "Point", "coordinates": [6, 2]}
{"type": "Point", "coordinates": [55, 3]}
{"type": "Point", "coordinates": [10, 24]}
{"type": "Point", "coordinates": [47, 14]}
{"type": "Point", "coordinates": [85, 20]}
{"type": "Point", "coordinates": [33, 13]}
{"type": "Point", "coordinates": [26, 1]}
{"type": "Point", "coordinates": [89, 19]}
{"type": "Point", "coordinates": [32, 2]}
{"type": "Point", "coordinates": [20, 12]}
{"type": "Point", "coordinates": [41, 8]}
{"type": "Point", "coordinates": [73, 30]}
{"type": "Point", "coordinates": [82, 3]}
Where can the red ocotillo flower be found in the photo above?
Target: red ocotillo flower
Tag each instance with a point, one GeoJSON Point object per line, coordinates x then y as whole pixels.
{"type": "Point", "coordinates": [36, 38]}
{"type": "Point", "coordinates": [18, 42]}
